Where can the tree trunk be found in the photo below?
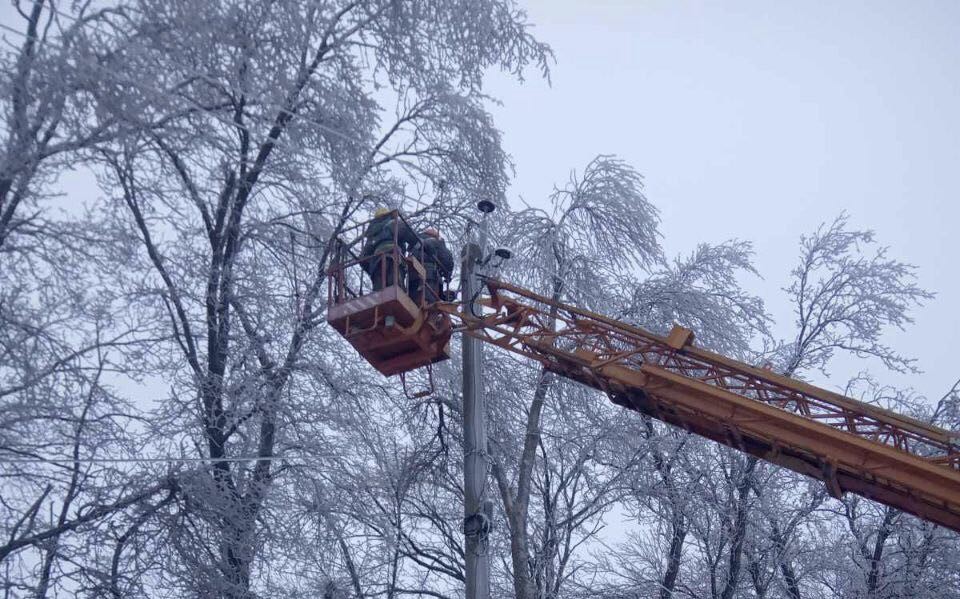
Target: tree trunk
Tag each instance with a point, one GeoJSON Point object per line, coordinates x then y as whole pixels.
{"type": "Point", "coordinates": [786, 568]}
{"type": "Point", "coordinates": [518, 506]}
{"type": "Point", "coordinates": [739, 531]}
{"type": "Point", "coordinates": [672, 572]}
{"type": "Point", "coordinates": [876, 560]}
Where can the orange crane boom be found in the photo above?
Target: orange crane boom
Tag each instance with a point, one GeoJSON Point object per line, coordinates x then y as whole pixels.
{"type": "Point", "coordinates": [849, 445]}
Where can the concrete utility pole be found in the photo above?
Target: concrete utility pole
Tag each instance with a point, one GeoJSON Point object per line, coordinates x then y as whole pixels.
{"type": "Point", "coordinates": [476, 512]}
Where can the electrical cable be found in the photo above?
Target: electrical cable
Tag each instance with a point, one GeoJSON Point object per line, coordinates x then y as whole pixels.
{"type": "Point", "coordinates": [152, 460]}
{"type": "Point", "coordinates": [473, 304]}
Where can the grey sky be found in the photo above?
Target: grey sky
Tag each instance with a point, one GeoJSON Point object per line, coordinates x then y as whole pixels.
{"type": "Point", "coordinates": [759, 120]}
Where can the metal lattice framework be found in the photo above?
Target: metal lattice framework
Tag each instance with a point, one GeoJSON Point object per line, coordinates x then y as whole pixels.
{"type": "Point", "coordinates": [850, 445]}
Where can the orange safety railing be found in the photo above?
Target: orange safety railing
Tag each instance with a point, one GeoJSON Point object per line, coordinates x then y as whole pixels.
{"type": "Point", "coordinates": [355, 272]}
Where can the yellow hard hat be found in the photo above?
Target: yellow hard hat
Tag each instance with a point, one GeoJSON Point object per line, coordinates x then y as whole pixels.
{"type": "Point", "coordinates": [381, 212]}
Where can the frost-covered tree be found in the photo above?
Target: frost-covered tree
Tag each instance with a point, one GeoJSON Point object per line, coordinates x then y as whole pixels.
{"type": "Point", "coordinates": [845, 294]}
{"type": "Point", "coordinates": [48, 82]}
{"type": "Point", "coordinates": [882, 551]}
{"type": "Point", "coordinates": [701, 291]}
{"type": "Point", "coordinates": [306, 115]}
{"type": "Point", "coordinates": [722, 524]}
{"type": "Point", "coordinates": [180, 314]}
{"type": "Point", "coordinates": [65, 335]}
{"type": "Point", "coordinates": [573, 252]}
{"type": "Point", "coordinates": [845, 297]}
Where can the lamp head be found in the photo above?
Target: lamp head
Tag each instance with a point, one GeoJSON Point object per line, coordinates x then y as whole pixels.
{"type": "Point", "coordinates": [486, 206]}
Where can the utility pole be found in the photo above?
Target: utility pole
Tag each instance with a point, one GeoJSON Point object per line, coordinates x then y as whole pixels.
{"type": "Point", "coordinates": [477, 513]}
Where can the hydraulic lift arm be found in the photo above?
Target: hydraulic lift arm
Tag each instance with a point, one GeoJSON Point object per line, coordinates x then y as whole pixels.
{"type": "Point", "coordinates": [849, 445]}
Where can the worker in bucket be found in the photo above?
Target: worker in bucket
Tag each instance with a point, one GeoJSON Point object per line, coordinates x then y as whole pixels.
{"type": "Point", "coordinates": [386, 230]}
{"type": "Point", "coordinates": [438, 264]}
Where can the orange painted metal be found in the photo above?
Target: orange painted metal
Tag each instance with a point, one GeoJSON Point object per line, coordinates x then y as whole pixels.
{"type": "Point", "coordinates": [388, 329]}
{"type": "Point", "coordinates": [851, 446]}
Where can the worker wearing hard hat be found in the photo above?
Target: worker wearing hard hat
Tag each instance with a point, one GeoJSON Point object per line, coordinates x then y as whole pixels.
{"type": "Point", "coordinates": [438, 264]}
{"type": "Point", "coordinates": [386, 230]}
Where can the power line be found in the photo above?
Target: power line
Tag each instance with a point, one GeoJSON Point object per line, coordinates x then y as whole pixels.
{"type": "Point", "coordinates": [154, 460]}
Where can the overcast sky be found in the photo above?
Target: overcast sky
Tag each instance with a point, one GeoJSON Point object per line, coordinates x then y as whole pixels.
{"type": "Point", "coordinates": [758, 121]}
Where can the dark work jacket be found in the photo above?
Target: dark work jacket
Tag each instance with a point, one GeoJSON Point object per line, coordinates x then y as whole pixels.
{"type": "Point", "coordinates": [438, 261]}
{"type": "Point", "coordinates": [379, 235]}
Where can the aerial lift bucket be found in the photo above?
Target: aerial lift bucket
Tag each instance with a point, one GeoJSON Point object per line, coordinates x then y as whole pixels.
{"type": "Point", "coordinates": [394, 332]}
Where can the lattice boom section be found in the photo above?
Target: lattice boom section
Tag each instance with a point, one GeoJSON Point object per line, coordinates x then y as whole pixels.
{"type": "Point", "coordinates": [848, 444]}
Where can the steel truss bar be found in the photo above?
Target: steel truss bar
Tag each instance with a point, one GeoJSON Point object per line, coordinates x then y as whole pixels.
{"type": "Point", "coordinates": [851, 446]}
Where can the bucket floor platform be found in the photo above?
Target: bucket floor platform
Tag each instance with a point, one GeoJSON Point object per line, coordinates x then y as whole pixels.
{"type": "Point", "coordinates": [394, 334]}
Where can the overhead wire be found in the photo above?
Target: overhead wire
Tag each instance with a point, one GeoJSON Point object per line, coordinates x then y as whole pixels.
{"type": "Point", "coordinates": [153, 460]}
